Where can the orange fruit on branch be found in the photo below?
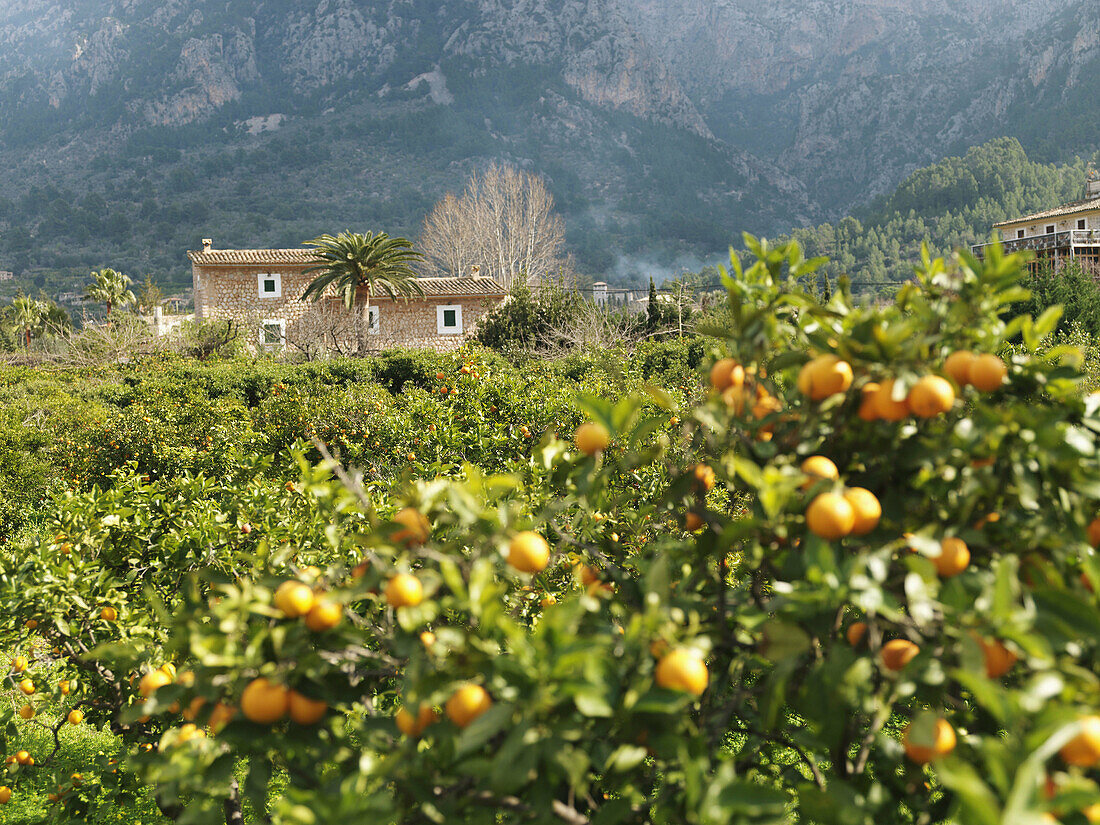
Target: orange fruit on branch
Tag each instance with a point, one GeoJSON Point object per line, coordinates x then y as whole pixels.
{"type": "Point", "coordinates": [591, 437]}
{"type": "Point", "coordinates": [265, 702]}
{"type": "Point", "coordinates": [987, 373]}
{"type": "Point", "coordinates": [528, 552]}
{"type": "Point", "coordinates": [404, 590]}
{"type": "Point", "coordinates": [682, 670]}
{"type": "Point", "coordinates": [415, 523]}
{"type": "Point", "coordinates": [467, 703]}
{"type": "Point", "coordinates": [897, 653]}
{"type": "Point", "coordinates": [1083, 749]}
{"type": "Point", "coordinates": [942, 742]}
{"type": "Point", "coordinates": [830, 516]}
{"type": "Point", "coordinates": [957, 366]}
{"type": "Point", "coordinates": [818, 468]}
{"type": "Point", "coordinates": [305, 711]}
{"type": "Point", "coordinates": [931, 396]}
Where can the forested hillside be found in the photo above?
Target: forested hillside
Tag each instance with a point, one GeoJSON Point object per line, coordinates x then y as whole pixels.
{"type": "Point", "coordinates": [952, 203]}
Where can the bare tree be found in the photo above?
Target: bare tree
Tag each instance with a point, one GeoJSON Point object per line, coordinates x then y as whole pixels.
{"type": "Point", "coordinates": [328, 330]}
{"type": "Point", "coordinates": [504, 222]}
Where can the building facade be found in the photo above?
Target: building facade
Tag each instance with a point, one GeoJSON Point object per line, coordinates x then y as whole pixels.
{"type": "Point", "coordinates": [1067, 232]}
{"type": "Point", "coordinates": [262, 289]}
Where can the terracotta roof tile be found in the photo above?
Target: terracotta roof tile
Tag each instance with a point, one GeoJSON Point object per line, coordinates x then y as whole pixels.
{"type": "Point", "coordinates": [1057, 212]}
{"type": "Point", "coordinates": [459, 285]}
{"type": "Point", "coordinates": [261, 257]}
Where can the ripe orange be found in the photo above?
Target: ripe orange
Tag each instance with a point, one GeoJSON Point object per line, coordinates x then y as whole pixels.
{"type": "Point", "coordinates": [957, 366]}
{"type": "Point", "coordinates": [30, 624]}
{"type": "Point", "coordinates": [19, 664]}
{"type": "Point", "coordinates": [65, 686]}
{"type": "Point", "coordinates": [683, 670]}
{"type": "Point", "coordinates": [1094, 532]}
{"type": "Point", "coordinates": [153, 681]}
{"type": "Point", "coordinates": [886, 406]}
{"type": "Point", "coordinates": [415, 523]}
{"type": "Point", "coordinates": [189, 732]}
{"type": "Point", "coordinates": [27, 686]}
{"type": "Point", "coordinates": [1084, 748]}
{"type": "Point", "coordinates": [5, 794]}
{"type": "Point", "coordinates": [415, 725]}
{"type": "Point", "coordinates": [735, 397]}
{"type": "Point", "coordinates": [953, 558]}
{"type": "Point", "coordinates": [27, 711]}
{"type": "Point", "coordinates": [306, 711]}
{"type": "Point", "coordinates": [467, 703]}
{"type": "Point", "coordinates": [193, 708]}
{"type": "Point", "coordinates": [987, 372]}
{"type": "Point", "coordinates": [855, 633]}
{"type": "Point", "coordinates": [325, 615]}
{"type": "Point", "coordinates": [868, 402]}
{"type": "Point", "coordinates": [265, 702]}
{"type": "Point", "coordinates": [824, 376]}
{"type": "Point", "coordinates": [23, 758]}
{"type": "Point", "coordinates": [427, 638]}
{"type": "Point", "coordinates": [591, 437]}
{"type": "Point", "coordinates": [528, 552]}
{"type": "Point", "coordinates": [998, 658]}
{"type": "Point", "coordinates": [704, 476]}
{"type": "Point", "coordinates": [830, 516]}
{"type": "Point", "coordinates": [941, 744]}
{"type": "Point", "coordinates": [818, 468]}
{"type": "Point", "coordinates": [76, 717]}
{"type": "Point", "coordinates": [404, 590]}
{"type": "Point", "coordinates": [897, 653]}
{"type": "Point", "coordinates": [931, 396]}
{"type": "Point", "coordinates": [765, 405]}
{"type": "Point", "coordinates": [586, 574]}
{"type": "Point", "coordinates": [108, 614]}
{"type": "Point", "coordinates": [220, 716]}
{"type": "Point", "coordinates": [726, 373]}
{"type": "Point", "coordinates": [866, 507]}
{"type": "Point", "coordinates": [692, 522]}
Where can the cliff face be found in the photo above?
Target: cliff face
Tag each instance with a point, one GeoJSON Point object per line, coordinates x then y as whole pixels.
{"type": "Point", "coordinates": [788, 112]}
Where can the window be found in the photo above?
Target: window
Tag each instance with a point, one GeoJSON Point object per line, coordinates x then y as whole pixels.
{"type": "Point", "coordinates": [1081, 223]}
{"type": "Point", "coordinates": [372, 320]}
{"type": "Point", "coordinates": [1050, 229]}
{"type": "Point", "coordinates": [270, 285]}
{"type": "Point", "coordinates": [273, 334]}
{"type": "Point", "coordinates": [448, 319]}
{"type": "Point", "coordinates": [1019, 233]}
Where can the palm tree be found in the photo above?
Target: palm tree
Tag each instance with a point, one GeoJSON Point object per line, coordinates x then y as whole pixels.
{"type": "Point", "coordinates": [110, 288]}
{"type": "Point", "coordinates": [351, 260]}
{"type": "Point", "coordinates": [29, 315]}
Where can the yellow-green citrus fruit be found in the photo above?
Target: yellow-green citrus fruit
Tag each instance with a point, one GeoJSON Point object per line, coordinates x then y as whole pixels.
{"type": "Point", "coordinates": [591, 437]}
{"type": "Point", "coordinates": [404, 590]}
{"type": "Point", "coordinates": [467, 703]}
{"type": "Point", "coordinates": [682, 670]}
{"type": "Point", "coordinates": [528, 552]}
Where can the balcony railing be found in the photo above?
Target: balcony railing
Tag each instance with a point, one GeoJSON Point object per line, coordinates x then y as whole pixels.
{"type": "Point", "coordinates": [1050, 241]}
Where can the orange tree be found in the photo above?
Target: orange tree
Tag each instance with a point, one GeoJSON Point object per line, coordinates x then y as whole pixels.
{"type": "Point", "coordinates": [855, 586]}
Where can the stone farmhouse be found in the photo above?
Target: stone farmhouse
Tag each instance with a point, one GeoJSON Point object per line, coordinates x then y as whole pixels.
{"type": "Point", "coordinates": [261, 289]}
{"type": "Point", "coordinates": [1070, 231]}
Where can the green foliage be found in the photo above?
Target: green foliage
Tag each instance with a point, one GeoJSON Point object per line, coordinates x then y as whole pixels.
{"type": "Point", "coordinates": [794, 723]}
{"type": "Point", "coordinates": [1074, 288]}
{"type": "Point", "coordinates": [351, 261]}
{"type": "Point", "coordinates": [525, 321]}
{"type": "Point", "coordinates": [949, 204]}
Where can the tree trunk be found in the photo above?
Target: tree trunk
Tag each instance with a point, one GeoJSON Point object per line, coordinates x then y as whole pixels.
{"type": "Point", "coordinates": [234, 815]}
{"type": "Point", "coordinates": [362, 337]}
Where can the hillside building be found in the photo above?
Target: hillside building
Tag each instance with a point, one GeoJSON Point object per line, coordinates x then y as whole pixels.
{"type": "Point", "coordinates": [261, 289]}
{"type": "Point", "coordinates": [1070, 231]}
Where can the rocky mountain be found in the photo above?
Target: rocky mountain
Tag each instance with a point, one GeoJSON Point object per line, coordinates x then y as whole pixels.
{"type": "Point", "coordinates": [130, 128]}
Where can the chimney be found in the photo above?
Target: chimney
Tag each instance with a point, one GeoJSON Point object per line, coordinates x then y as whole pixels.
{"type": "Point", "coordinates": [475, 271]}
{"type": "Point", "coordinates": [206, 244]}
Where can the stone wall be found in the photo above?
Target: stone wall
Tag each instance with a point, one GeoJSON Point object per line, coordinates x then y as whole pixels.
{"type": "Point", "coordinates": [233, 293]}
